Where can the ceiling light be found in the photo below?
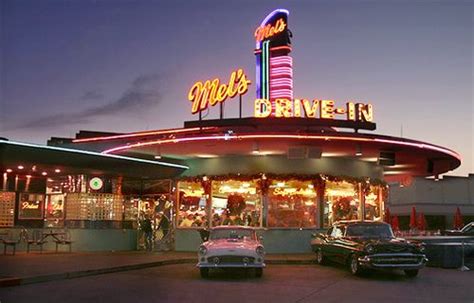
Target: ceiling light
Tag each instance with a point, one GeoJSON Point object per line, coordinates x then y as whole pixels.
{"type": "Point", "coordinates": [44, 173]}
{"type": "Point", "coordinates": [9, 170]}
{"type": "Point", "coordinates": [57, 170]}
{"type": "Point", "coordinates": [20, 167]}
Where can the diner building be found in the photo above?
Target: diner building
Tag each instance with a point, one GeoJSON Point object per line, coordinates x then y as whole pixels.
{"type": "Point", "coordinates": [294, 168]}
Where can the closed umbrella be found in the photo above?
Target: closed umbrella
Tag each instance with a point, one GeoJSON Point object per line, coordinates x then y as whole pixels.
{"type": "Point", "coordinates": [458, 222]}
{"type": "Point", "coordinates": [421, 224]}
{"type": "Point", "coordinates": [413, 223]}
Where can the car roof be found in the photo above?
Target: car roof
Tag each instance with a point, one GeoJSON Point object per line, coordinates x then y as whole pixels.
{"type": "Point", "coordinates": [352, 222]}
{"type": "Point", "coordinates": [232, 227]}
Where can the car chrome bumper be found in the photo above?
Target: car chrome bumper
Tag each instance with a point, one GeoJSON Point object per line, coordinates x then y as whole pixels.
{"type": "Point", "coordinates": [394, 261]}
{"type": "Point", "coordinates": [230, 265]}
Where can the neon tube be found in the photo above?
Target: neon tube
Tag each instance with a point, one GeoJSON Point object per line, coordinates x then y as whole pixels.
{"type": "Point", "coordinates": [283, 136]}
{"type": "Point", "coordinates": [84, 152]}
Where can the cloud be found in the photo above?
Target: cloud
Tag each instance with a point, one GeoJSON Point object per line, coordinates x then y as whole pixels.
{"type": "Point", "coordinates": [143, 93]}
{"type": "Point", "coordinates": [92, 95]}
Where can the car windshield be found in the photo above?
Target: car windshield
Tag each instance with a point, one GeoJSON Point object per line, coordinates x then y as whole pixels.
{"type": "Point", "coordinates": [369, 231]}
{"type": "Point", "coordinates": [237, 233]}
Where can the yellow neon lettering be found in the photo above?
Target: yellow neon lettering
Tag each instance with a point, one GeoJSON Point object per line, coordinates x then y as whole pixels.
{"type": "Point", "coordinates": [310, 109]}
{"type": "Point", "coordinates": [282, 108]}
{"type": "Point", "coordinates": [326, 109]}
{"type": "Point", "coordinates": [350, 111]}
{"type": "Point", "coordinates": [364, 112]}
{"type": "Point", "coordinates": [297, 108]}
{"type": "Point", "coordinates": [211, 91]}
{"type": "Point", "coordinates": [263, 108]}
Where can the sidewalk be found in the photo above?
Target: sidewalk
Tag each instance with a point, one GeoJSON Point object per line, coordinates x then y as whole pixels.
{"type": "Point", "coordinates": [24, 268]}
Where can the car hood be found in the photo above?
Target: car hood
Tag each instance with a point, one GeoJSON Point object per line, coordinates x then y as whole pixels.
{"type": "Point", "coordinates": [388, 245]}
{"type": "Point", "coordinates": [231, 244]}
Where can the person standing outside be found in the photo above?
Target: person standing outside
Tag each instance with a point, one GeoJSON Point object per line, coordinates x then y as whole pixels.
{"type": "Point", "coordinates": [148, 231]}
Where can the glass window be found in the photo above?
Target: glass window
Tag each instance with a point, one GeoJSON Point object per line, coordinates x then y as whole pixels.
{"type": "Point", "coordinates": [341, 202]}
{"type": "Point", "coordinates": [94, 206]}
{"type": "Point", "coordinates": [237, 233]}
{"type": "Point", "coordinates": [338, 232]}
{"type": "Point", "coordinates": [292, 203]}
{"type": "Point", "coordinates": [236, 203]}
{"type": "Point", "coordinates": [54, 210]}
{"type": "Point", "coordinates": [31, 206]}
{"type": "Point", "coordinates": [191, 205]}
{"type": "Point", "coordinates": [7, 209]}
{"type": "Point", "coordinates": [374, 203]}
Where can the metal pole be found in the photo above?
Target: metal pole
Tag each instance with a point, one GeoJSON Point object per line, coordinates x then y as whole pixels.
{"type": "Point", "coordinates": [240, 106]}
{"type": "Point", "coordinates": [221, 105]}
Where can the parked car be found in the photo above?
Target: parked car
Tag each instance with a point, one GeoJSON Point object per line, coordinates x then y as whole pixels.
{"type": "Point", "coordinates": [368, 245]}
{"type": "Point", "coordinates": [467, 230]}
{"type": "Point", "coordinates": [231, 247]}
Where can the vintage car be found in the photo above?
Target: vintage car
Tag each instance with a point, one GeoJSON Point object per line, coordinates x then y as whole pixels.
{"type": "Point", "coordinates": [231, 247]}
{"type": "Point", "coordinates": [467, 230]}
{"type": "Point", "coordinates": [368, 245]}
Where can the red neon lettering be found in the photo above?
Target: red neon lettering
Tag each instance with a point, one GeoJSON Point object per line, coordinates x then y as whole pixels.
{"type": "Point", "coordinates": [267, 31]}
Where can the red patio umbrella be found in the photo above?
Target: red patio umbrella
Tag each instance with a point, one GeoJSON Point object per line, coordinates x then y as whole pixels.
{"type": "Point", "coordinates": [387, 217]}
{"type": "Point", "coordinates": [421, 222]}
{"type": "Point", "coordinates": [413, 224]}
{"type": "Point", "coordinates": [458, 222]}
{"type": "Point", "coordinates": [395, 224]}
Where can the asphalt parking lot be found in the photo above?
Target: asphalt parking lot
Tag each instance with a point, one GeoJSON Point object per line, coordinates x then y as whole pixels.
{"type": "Point", "coordinates": [280, 283]}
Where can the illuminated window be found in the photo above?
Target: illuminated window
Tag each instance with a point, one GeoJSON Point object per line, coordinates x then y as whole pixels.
{"type": "Point", "coordinates": [291, 203]}
{"type": "Point", "coordinates": [191, 205]}
{"type": "Point", "coordinates": [236, 203]}
{"type": "Point", "coordinates": [7, 209]}
{"type": "Point", "coordinates": [54, 213]}
{"type": "Point", "coordinates": [341, 202]}
{"type": "Point", "coordinates": [374, 203]}
{"type": "Point", "coordinates": [94, 207]}
{"type": "Point", "coordinates": [31, 206]}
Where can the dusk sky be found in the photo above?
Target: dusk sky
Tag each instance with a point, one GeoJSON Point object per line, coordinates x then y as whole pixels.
{"type": "Point", "coordinates": [124, 66]}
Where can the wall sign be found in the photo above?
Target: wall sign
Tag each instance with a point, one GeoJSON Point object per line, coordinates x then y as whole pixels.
{"type": "Point", "coordinates": [319, 109]}
{"type": "Point", "coordinates": [96, 183]}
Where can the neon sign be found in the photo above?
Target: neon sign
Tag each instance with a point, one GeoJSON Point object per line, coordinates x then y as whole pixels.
{"type": "Point", "coordinates": [30, 205]}
{"type": "Point", "coordinates": [210, 92]}
{"type": "Point", "coordinates": [266, 31]}
{"type": "Point", "coordinates": [322, 109]}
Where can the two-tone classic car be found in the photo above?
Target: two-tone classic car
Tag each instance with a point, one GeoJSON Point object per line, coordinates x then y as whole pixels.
{"type": "Point", "coordinates": [368, 245]}
{"type": "Point", "coordinates": [467, 230]}
{"type": "Point", "coordinates": [231, 247]}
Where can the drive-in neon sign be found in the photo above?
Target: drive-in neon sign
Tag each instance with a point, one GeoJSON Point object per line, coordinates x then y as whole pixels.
{"type": "Point", "coordinates": [304, 108]}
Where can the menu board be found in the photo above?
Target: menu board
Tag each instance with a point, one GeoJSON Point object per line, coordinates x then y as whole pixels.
{"type": "Point", "coordinates": [31, 206]}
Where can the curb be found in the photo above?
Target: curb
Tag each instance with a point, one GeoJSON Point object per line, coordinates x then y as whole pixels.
{"type": "Point", "coordinates": [16, 281]}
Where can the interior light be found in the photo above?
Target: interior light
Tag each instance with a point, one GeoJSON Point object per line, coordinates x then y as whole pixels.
{"type": "Point", "coordinates": [9, 170]}
{"type": "Point", "coordinates": [57, 170]}
{"type": "Point", "coordinates": [20, 167]}
{"type": "Point", "coordinates": [44, 173]}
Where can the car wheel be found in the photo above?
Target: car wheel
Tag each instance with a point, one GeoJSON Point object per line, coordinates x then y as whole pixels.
{"type": "Point", "coordinates": [320, 259]}
{"type": "Point", "coordinates": [354, 265]}
{"type": "Point", "coordinates": [258, 272]}
{"type": "Point", "coordinates": [204, 272]}
{"type": "Point", "coordinates": [411, 272]}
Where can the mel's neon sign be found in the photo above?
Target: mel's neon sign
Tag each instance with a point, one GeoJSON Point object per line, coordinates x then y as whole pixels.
{"type": "Point", "coordinates": [267, 31]}
{"type": "Point", "coordinates": [211, 92]}
{"type": "Point", "coordinates": [322, 109]}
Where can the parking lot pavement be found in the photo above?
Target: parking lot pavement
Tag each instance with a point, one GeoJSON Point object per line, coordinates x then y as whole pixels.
{"type": "Point", "coordinates": [280, 283]}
